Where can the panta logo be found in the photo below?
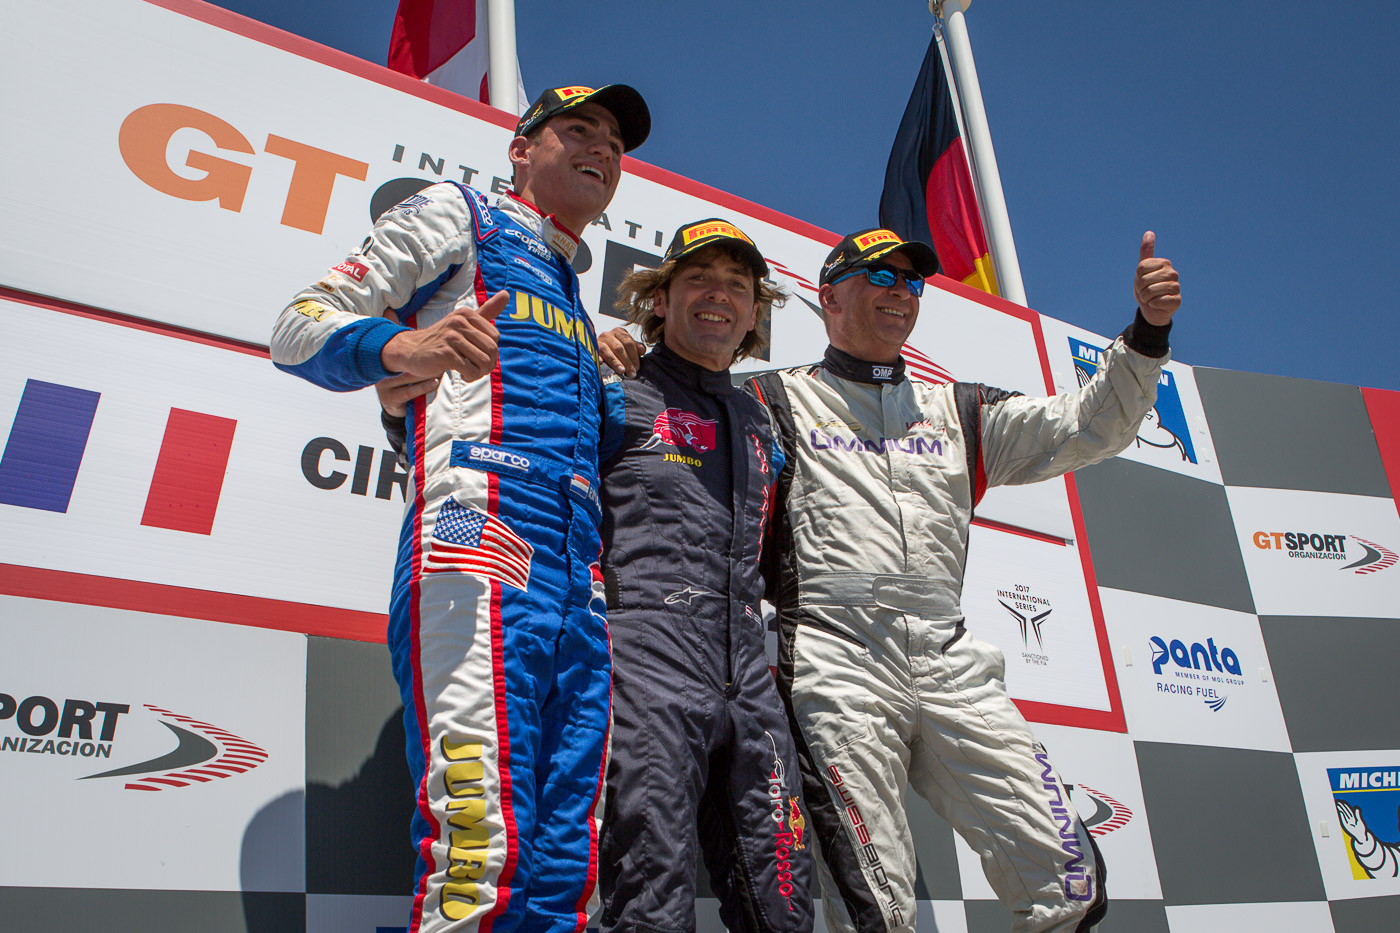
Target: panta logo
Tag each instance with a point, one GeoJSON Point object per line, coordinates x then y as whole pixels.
{"type": "Point", "coordinates": [1367, 801]}
{"type": "Point", "coordinates": [1210, 667]}
{"type": "Point", "coordinates": [1312, 545]}
{"type": "Point", "coordinates": [202, 752]}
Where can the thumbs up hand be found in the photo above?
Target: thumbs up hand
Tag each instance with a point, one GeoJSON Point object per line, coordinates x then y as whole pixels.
{"type": "Point", "coordinates": [465, 342]}
{"type": "Point", "coordinates": [1156, 286]}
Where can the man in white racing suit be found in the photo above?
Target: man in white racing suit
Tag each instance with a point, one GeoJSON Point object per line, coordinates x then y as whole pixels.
{"type": "Point", "coordinates": [884, 685]}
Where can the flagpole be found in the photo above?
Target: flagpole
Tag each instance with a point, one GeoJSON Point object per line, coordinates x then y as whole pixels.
{"type": "Point", "coordinates": [984, 160]}
{"type": "Point", "coordinates": [503, 75]}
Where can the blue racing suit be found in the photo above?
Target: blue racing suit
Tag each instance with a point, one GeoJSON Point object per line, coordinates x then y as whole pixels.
{"type": "Point", "coordinates": [496, 629]}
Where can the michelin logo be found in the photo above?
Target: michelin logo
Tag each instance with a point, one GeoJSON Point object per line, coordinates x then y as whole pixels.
{"type": "Point", "coordinates": [1367, 800]}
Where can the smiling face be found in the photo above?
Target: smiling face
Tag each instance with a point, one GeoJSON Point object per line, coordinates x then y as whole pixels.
{"type": "Point", "coordinates": [570, 167]}
{"type": "Point", "coordinates": [708, 308]}
{"type": "Point", "coordinates": [868, 321]}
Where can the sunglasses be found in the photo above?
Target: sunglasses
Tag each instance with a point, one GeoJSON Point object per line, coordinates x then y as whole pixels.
{"type": "Point", "coordinates": [885, 276]}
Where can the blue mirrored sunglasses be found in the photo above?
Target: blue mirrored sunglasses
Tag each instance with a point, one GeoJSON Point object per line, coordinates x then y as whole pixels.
{"type": "Point", "coordinates": [884, 277]}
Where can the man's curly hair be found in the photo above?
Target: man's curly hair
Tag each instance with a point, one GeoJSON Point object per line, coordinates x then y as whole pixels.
{"type": "Point", "coordinates": [636, 298]}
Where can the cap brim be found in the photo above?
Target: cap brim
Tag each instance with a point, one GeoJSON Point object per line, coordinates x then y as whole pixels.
{"type": "Point", "coordinates": [629, 109]}
{"type": "Point", "coordinates": [920, 255]}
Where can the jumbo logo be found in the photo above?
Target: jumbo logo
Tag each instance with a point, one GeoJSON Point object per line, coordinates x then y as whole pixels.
{"type": "Point", "coordinates": [1313, 545]}
{"type": "Point", "coordinates": [145, 137]}
{"type": "Point", "coordinates": [865, 241]}
{"type": "Point", "coordinates": [531, 308]}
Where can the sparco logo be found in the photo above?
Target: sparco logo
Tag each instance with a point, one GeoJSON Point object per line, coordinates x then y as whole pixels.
{"type": "Point", "coordinates": [1311, 545]}
{"type": "Point", "coordinates": [1079, 883]}
{"type": "Point", "coordinates": [202, 752]}
{"type": "Point", "coordinates": [499, 457]}
{"type": "Point", "coordinates": [1205, 664]}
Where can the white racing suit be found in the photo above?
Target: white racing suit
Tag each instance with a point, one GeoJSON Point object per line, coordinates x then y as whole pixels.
{"type": "Point", "coordinates": [883, 685]}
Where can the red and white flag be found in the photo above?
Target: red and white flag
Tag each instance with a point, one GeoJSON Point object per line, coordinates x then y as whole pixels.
{"type": "Point", "coordinates": [443, 42]}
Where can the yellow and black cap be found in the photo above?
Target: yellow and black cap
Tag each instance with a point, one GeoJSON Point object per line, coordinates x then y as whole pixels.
{"type": "Point", "coordinates": [624, 103]}
{"type": "Point", "coordinates": [868, 247]}
{"type": "Point", "coordinates": [702, 233]}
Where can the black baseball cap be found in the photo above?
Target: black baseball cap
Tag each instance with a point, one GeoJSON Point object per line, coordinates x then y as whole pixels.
{"type": "Point", "coordinates": [703, 233]}
{"type": "Point", "coordinates": [624, 103]}
{"type": "Point", "coordinates": [868, 247]}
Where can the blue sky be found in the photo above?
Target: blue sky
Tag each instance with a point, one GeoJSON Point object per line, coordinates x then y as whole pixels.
{"type": "Point", "coordinates": [1257, 137]}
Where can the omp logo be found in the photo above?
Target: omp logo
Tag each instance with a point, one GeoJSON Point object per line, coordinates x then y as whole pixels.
{"type": "Point", "coordinates": [1368, 807]}
{"type": "Point", "coordinates": [865, 241]}
{"type": "Point", "coordinates": [882, 372]}
{"type": "Point", "coordinates": [1206, 664]}
{"type": "Point", "coordinates": [1313, 545]}
{"type": "Point", "coordinates": [713, 228]}
{"type": "Point", "coordinates": [202, 752]}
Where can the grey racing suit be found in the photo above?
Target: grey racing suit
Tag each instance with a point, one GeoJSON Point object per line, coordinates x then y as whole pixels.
{"type": "Point", "coordinates": [883, 685]}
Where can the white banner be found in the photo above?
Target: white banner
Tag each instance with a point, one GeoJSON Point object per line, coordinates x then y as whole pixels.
{"type": "Point", "coordinates": [183, 740]}
{"type": "Point", "coordinates": [1317, 553]}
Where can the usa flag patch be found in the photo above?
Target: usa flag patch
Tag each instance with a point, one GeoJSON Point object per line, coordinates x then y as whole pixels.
{"type": "Point", "coordinates": [468, 541]}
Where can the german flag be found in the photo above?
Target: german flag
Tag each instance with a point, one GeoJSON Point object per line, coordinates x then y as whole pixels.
{"type": "Point", "coordinates": [929, 195]}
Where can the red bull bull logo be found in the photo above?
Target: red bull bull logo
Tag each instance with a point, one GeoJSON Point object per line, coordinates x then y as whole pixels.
{"type": "Point", "coordinates": [679, 428]}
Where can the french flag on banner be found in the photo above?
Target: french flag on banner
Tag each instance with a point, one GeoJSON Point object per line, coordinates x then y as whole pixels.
{"type": "Point", "coordinates": [444, 42]}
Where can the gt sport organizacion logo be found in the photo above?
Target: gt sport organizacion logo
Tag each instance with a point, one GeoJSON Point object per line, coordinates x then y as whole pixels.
{"type": "Point", "coordinates": [98, 730]}
{"type": "Point", "coordinates": [1361, 556]}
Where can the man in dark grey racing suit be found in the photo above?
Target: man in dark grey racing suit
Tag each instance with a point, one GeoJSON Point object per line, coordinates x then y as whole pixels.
{"type": "Point", "coordinates": [884, 685]}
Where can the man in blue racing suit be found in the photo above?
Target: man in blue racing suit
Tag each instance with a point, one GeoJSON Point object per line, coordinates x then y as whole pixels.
{"type": "Point", "coordinates": [499, 645]}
